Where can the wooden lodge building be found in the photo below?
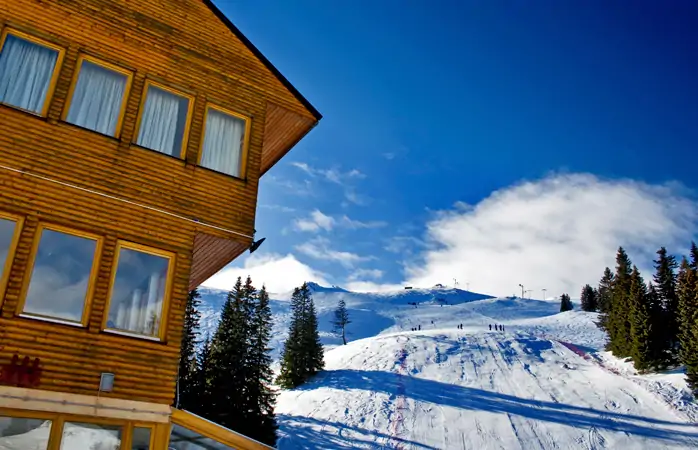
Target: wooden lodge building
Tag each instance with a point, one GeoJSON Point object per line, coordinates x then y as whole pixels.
{"type": "Point", "coordinates": [133, 135]}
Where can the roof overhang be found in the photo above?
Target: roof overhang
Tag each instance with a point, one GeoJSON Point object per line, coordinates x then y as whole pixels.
{"type": "Point", "coordinates": [283, 129]}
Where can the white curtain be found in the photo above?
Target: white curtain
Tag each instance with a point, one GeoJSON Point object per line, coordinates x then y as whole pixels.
{"type": "Point", "coordinates": [141, 312]}
{"type": "Point", "coordinates": [223, 143]}
{"type": "Point", "coordinates": [162, 125]}
{"type": "Point", "coordinates": [25, 73]}
{"type": "Point", "coordinates": [97, 99]}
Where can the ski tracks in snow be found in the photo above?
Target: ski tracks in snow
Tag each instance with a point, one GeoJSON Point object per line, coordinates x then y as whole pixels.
{"type": "Point", "coordinates": [486, 391]}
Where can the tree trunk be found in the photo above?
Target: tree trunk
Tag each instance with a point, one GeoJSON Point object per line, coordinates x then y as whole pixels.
{"type": "Point", "coordinates": [344, 336]}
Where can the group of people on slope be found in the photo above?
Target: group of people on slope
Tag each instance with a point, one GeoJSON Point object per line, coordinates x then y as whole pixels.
{"type": "Point", "coordinates": [497, 327]}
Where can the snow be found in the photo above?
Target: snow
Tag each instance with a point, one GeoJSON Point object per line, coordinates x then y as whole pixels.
{"type": "Point", "coordinates": [544, 383]}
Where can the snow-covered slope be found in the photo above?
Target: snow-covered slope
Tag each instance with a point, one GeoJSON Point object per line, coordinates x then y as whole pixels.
{"type": "Point", "coordinates": [543, 383]}
{"type": "Point", "coordinates": [474, 389]}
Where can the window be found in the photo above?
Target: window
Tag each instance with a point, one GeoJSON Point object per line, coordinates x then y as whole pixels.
{"type": "Point", "coordinates": [19, 432]}
{"type": "Point", "coordinates": [139, 290]}
{"type": "Point", "coordinates": [28, 71]}
{"type": "Point", "coordinates": [140, 440]}
{"type": "Point", "coordinates": [98, 96]}
{"type": "Point", "coordinates": [63, 268]}
{"type": "Point", "coordinates": [163, 120]}
{"type": "Point", "coordinates": [9, 234]}
{"type": "Point", "coordinates": [225, 142]}
{"type": "Point", "coordinates": [92, 436]}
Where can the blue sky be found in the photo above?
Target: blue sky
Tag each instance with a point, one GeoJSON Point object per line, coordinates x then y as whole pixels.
{"type": "Point", "coordinates": [435, 113]}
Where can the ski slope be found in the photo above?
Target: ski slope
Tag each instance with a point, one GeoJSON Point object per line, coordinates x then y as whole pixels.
{"type": "Point", "coordinates": [543, 383]}
{"type": "Point", "coordinates": [474, 390]}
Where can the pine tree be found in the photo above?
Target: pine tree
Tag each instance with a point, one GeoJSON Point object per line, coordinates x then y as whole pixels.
{"type": "Point", "coordinates": [617, 323]}
{"type": "Point", "coordinates": [665, 278]}
{"type": "Point", "coordinates": [187, 360]}
{"type": "Point", "coordinates": [658, 342]}
{"type": "Point", "coordinates": [341, 319]}
{"type": "Point", "coordinates": [565, 303]}
{"type": "Point", "coordinates": [303, 355]}
{"type": "Point", "coordinates": [229, 352]}
{"type": "Point", "coordinates": [640, 326]}
{"type": "Point", "coordinates": [603, 298]}
{"type": "Point", "coordinates": [262, 398]}
{"type": "Point", "coordinates": [687, 290]}
{"type": "Point", "coordinates": [291, 374]}
{"type": "Point", "coordinates": [588, 299]}
{"type": "Point", "coordinates": [604, 291]}
{"type": "Point", "coordinates": [201, 404]}
{"type": "Point", "coordinates": [316, 353]}
{"type": "Point", "coordinates": [694, 256]}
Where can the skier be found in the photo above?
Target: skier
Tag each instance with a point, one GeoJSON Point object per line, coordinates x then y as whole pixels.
{"type": "Point", "coordinates": [490, 327]}
{"type": "Point", "coordinates": [502, 328]}
{"type": "Point", "coordinates": [419, 327]}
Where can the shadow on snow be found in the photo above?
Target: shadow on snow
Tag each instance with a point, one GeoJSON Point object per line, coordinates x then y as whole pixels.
{"type": "Point", "coordinates": [455, 396]}
{"type": "Point", "coordinates": [309, 433]}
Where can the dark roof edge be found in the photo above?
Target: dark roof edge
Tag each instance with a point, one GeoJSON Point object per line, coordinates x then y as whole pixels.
{"type": "Point", "coordinates": [263, 58]}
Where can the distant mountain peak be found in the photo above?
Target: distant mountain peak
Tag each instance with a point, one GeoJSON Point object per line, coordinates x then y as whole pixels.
{"type": "Point", "coordinates": [314, 287]}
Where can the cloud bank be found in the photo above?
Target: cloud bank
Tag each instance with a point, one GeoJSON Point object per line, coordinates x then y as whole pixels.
{"type": "Point", "coordinates": [279, 273]}
{"type": "Point", "coordinates": [557, 233]}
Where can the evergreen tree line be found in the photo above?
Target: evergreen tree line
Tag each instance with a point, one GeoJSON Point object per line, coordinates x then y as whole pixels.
{"type": "Point", "coordinates": [228, 380]}
{"type": "Point", "coordinates": [656, 323]}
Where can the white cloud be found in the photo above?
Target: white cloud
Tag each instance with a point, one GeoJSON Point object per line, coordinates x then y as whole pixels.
{"type": "Point", "coordinates": [557, 233]}
{"type": "Point", "coordinates": [302, 188]}
{"type": "Point", "coordinates": [318, 221]}
{"type": "Point", "coordinates": [366, 273]}
{"type": "Point", "coordinates": [403, 244]}
{"type": "Point", "coordinates": [318, 248]}
{"type": "Point", "coordinates": [279, 273]}
{"type": "Point", "coordinates": [357, 224]}
{"type": "Point", "coordinates": [332, 175]}
{"type": "Point", "coordinates": [338, 177]}
{"type": "Point", "coordinates": [354, 197]}
{"type": "Point", "coordinates": [370, 286]}
{"type": "Point", "coordinates": [304, 167]}
{"type": "Point", "coordinates": [280, 208]}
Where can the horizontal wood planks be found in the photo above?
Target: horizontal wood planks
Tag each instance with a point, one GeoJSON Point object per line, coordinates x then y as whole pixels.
{"type": "Point", "coordinates": [209, 252]}
{"type": "Point", "coordinates": [73, 358]}
{"type": "Point", "coordinates": [58, 173]}
{"type": "Point", "coordinates": [281, 126]}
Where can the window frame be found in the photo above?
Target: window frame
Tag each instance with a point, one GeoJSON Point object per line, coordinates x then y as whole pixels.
{"type": "Point", "coordinates": [56, 69]}
{"type": "Point", "coordinates": [245, 143]}
{"type": "Point", "coordinates": [187, 122]}
{"type": "Point", "coordinates": [74, 81]}
{"type": "Point", "coordinates": [6, 267]}
{"type": "Point", "coordinates": [171, 256]}
{"type": "Point", "coordinates": [59, 419]}
{"type": "Point", "coordinates": [31, 261]}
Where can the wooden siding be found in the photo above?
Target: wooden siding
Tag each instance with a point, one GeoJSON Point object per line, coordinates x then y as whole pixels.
{"type": "Point", "coordinates": [211, 254]}
{"type": "Point", "coordinates": [60, 174]}
{"type": "Point", "coordinates": [281, 127]}
{"type": "Point", "coordinates": [73, 358]}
